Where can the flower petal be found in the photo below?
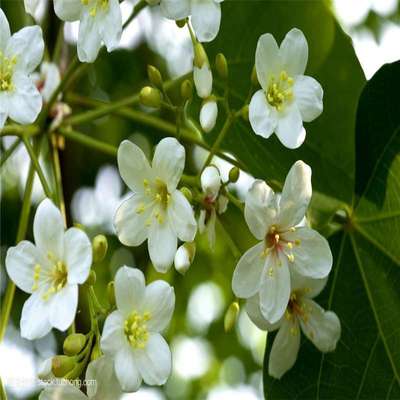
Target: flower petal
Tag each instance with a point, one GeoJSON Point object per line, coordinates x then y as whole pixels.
{"type": "Point", "coordinates": [308, 95]}
{"type": "Point", "coordinates": [63, 305]}
{"type": "Point", "coordinates": [133, 166]}
{"type": "Point", "coordinates": [126, 369]}
{"type": "Point", "coordinates": [247, 275]}
{"type": "Point", "coordinates": [175, 9]}
{"type": "Point", "coordinates": [254, 313]}
{"type": "Point", "coordinates": [208, 115]}
{"type": "Point", "coordinates": [129, 289]}
{"type": "Point", "coordinates": [77, 255]}
{"type": "Point", "coordinates": [290, 129]}
{"type": "Point", "coordinates": [159, 301]}
{"type": "Point", "coordinates": [263, 117]}
{"type": "Point", "coordinates": [48, 229]}
{"type": "Point", "coordinates": [169, 162]}
{"type": "Point", "coordinates": [294, 52]}
{"type": "Point", "coordinates": [275, 288]}
{"type": "Point", "coordinates": [68, 10]}
{"type": "Point", "coordinates": [111, 26]}
{"type": "Point", "coordinates": [206, 19]}
{"type": "Point", "coordinates": [309, 287]}
{"type": "Point", "coordinates": [203, 80]}
{"type": "Point", "coordinates": [284, 349]}
{"type": "Point", "coordinates": [113, 337]}
{"type": "Point", "coordinates": [322, 327]}
{"type": "Point", "coordinates": [154, 361]}
{"type": "Point", "coordinates": [162, 245]}
{"type": "Point", "coordinates": [5, 33]}
{"type": "Point", "coordinates": [64, 392]}
{"type": "Point", "coordinates": [268, 60]}
{"type": "Point", "coordinates": [296, 195]}
{"type": "Point", "coordinates": [89, 39]}
{"type": "Point", "coordinates": [181, 217]}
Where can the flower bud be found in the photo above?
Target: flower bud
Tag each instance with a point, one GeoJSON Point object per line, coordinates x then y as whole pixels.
{"type": "Point", "coordinates": [231, 316]}
{"type": "Point", "coordinates": [184, 257]}
{"type": "Point", "coordinates": [221, 66]}
{"type": "Point", "coordinates": [74, 343]}
{"type": "Point", "coordinates": [154, 76]}
{"type": "Point", "coordinates": [111, 293]}
{"type": "Point", "coordinates": [181, 22]}
{"type": "Point", "coordinates": [203, 81]}
{"type": "Point", "coordinates": [186, 90]}
{"type": "Point", "coordinates": [91, 279]}
{"type": "Point", "coordinates": [187, 193]}
{"type": "Point", "coordinates": [211, 181]}
{"type": "Point", "coordinates": [200, 56]}
{"type": "Point", "coordinates": [234, 174]}
{"type": "Point", "coordinates": [150, 97]}
{"type": "Point", "coordinates": [61, 365]}
{"type": "Point", "coordinates": [208, 115]}
{"type": "Point", "coordinates": [254, 78]}
{"type": "Point", "coordinates": [100, 246]}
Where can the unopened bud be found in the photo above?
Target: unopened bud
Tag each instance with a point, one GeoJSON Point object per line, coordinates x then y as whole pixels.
{"type": "Point", "coordinates": [221, 66]}
{"type": "Point", "coordinates": [61, 365]}
{"type": "Point", "coordinates": [244, 112]}
{"type": "Point", "coordinates": [184, 257]}
{"type": "Point", "coordinates": [150, 97]}
{"type": "Point", "coordinates": [186, 90]}
{"type": "Point", "coordinates": [254, 79]}
{"type": "Point", "coordinates": [91, 279]}
{"type": "Point", "coordinates": [234, 174]}
{"type": "Point", "coordinates": [187, 193]}
{"type": "Point", "coordinates": [208, 115]}
{"type": "Point", "coordinates": [154, 76]}
{"type": "Point", "coordinates": [200, 55]}
{"type": "Point", "coordinates": [111, 293]}
{"type": "Point", "coordinates": [211, 181]}
{"type": "Point", "coordinates": [100, 246]}
{"type": "Point", "coordinates": [74, 343]}
{"type": "Point", "coordinates": [231, 316]}
{"type": "Point", "coordinates": [181, 22]}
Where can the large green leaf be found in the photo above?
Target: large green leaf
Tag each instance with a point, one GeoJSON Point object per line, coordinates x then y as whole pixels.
{"type": "Point", "coordinates": [329, 146]}
{"type": "Point", "coordinates": [364, 286]}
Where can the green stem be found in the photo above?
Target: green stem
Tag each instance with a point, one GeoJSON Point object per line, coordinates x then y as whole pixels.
{"type": "Point", "coordinates": [3, 394]}
{"type": "Point", "coordinates": [19, 130]}
{"type": "Point", "coordinates": [10, 151]}
{"type": "Point", "coordinates": [136, 10]}
{"type": "Point", "coordinates": [96, 302]}
{"type": "Point", "coordinates": [235, 201]}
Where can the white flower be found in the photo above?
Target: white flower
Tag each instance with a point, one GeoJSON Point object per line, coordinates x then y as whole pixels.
{"type": "Point", "coordinates": [203, 80]}
{"type": "Point", "coordinates": [47, 80]}
{"type": "Point", "coordinates": [320, 326]}
{"type": "Point", "coordinates": [100, 21]}
{"type": "Point", "coordinates": [287, 97]}
{"type": "Point", "coordinates": [20, 54]}
{"type": "Point", "coordinates": [283, 245]}
{"type": "Point", "coordinates": [208, 115]}
{"type": "Point", "coordinates": [206, 15]}
{"type": "Point", "coordinates": [50, 270]}
{"type": "Point", "coordinates": [131, 333]}
{"type": "Point", "coordinates": [184, 257]}
{"type": "Point", "coordinates": [157, 210]}
{"type": "Point", "coordinates": [211, 182]}
{"type": "Point", "coordinates": [102, 384]}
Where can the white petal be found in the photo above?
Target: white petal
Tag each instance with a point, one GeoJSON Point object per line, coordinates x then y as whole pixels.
{"type": "Point", "coordinates": [3, 117]}
{"type": "Point", "coordinates": [48, 229]}
{"type": "Point", "coordinates": [159, 301]}
{"type": "Point", "coordinates": [308, 96]}
{"type": "Point", "coordinates": [268, 60]}
{"type": "Point", "coordinates": [63, 306]}
{"type": "Point", "coordinates": [203, 80]}
{"type": "Point", "coordinates": [290, 129]}
{"type": "Point", "coordinates": [254, 313]}
{"type": "Point", "coordinates": [77, 255]}
{"type": "Point", "coordinates": [208, 115]}
{"type": "Point", "coordinates": [111, 26]}
{"type": "Point", "coordinates": [181, 217]}
{"type": "Point", "coordinates": [89, 39]}
{"type": "Point", "coordinates": [129, 289]}
{"type": "Point", "coordinates": [322, 327]}
{"type": "Point", "coordinates": [131, 225]}
{"type": "Point", "coordinates": [5, 33]}
{"type": "Point", "coordinates": [263, 117]}
{"type": "Point", "coordinates": [211, 181]}
{"type": "Point", "coordinates": [175, 9]}
{"type": "Point", "coordinates": [65, 392]}
{"type": "Point", "coordinates": [284, 349]}
{"type": "Point", "coordinates": [260, 209]}
{"type": "Point", "coordinates": [34, 318]}
{"type": "Point", "coordinates": [52, 77]}
{"type": "Point", "coordinates": [247, 275]}
{"type": "Point", "coordinates": [154, 361]}
{"type": "Point", "coordinates": [294, 52]}
{"type": "Point", "coordinates": [108, 182]}
{"type": "Point", "coordinates": [113, 337]}
{"type": "Point", "coordinates": [25, 101]}
{"type": "Point", "coordinates": [296, 195]}
{"type": "Point", "coordinates": [27, 46]}
{"type": "Point", "coordinates": [312, 257]}
{"type": "Point", "coordinates": [126, 370]}
{"type": "Point", "coordinates": [162, 245]}
{"type": "Point", "coordinates": [68, 10]}
{"type": "Point", "coordinates": [133, 166]}
{"type": "Point", "coordinates": [308, 287]}
{"type": "Point", "coordinates": [31, 6]}
{"type": "Point", "coordinates": [169, 162]}
{"type": "Point", "coordinates": [275, 288]}
{"type": "Point", "coordinates": [206, 18]}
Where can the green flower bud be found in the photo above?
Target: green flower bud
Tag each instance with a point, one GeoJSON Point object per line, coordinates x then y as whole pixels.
{"type": "Point", "coordinates": [111, 293]}
{"type": "Point", "coordinates": [187, 193]}
{"type": "Point", "coordinates": [181, 22]}
{"type": "Point", "coordinates": [100, 246]}
{"type": "Point", "coordinates": [61, 365]}
{"type": "Point", "coordinates": [231, 315]}
{"type": "Point", "coordinates": [150, 97]}
{"type": "Point", "coordinates": [234, 174]}
{"type": "Point", "coordinates": [254, 78]}
{"type": "Point", "coordinates": [200, 55]}
{"type": "Point", "coordinates": [74, 343]}
{"type": "Point", "coordinates": [186, 90]}
{"type": "Point", "coordinates": [221, 66]}
{"type": "Point", "coordinates": [154, 76]}
{"type": "Point", "coordinates": [91, 280]}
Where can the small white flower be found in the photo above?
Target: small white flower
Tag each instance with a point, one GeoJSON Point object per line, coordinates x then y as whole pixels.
{"type": "Point", "coordinates": [211, 182]}
{"type": "Point", "coordinates": [206, 15]}
{"type": "Point", "coordinates": [100, 21]}
{"type": "Point", "coordinates": [131, 333]}
{"type": "Point", "coordinates": [157, 210]}
{"type": "Point", "coordinates": [20, 54]}
{"type": "Point", "coordinates": [208, 115]}
{"type": "Point", "coordinates": [274, 220]}
{"type": "Point", "coordinates": [287, 97]}
{"type": "Point", "coordinates": [47, 80]}
{"type": "Point", "coordinates": [184, 257]}
{"type": "Point", "coordinates": [320, 326]}
{"type": "Point", "coordinates": [50, 270]}
{"type": "Point", "coordinates": [203, 80]}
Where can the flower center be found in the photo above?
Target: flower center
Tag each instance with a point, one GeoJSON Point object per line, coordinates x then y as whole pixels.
{"type": "Point", "coordinates": [135, 329]}
{"type": "Point", "coordinates": [95, 6]}
{"type": "Point", "coordinates": [297, 309]}
{"type": "Point", "coordinates": [280, 90]}
{"type": "Point", "coordinates": [275, 241]}
{"type": "Point", "coordinates": [6, 73]}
